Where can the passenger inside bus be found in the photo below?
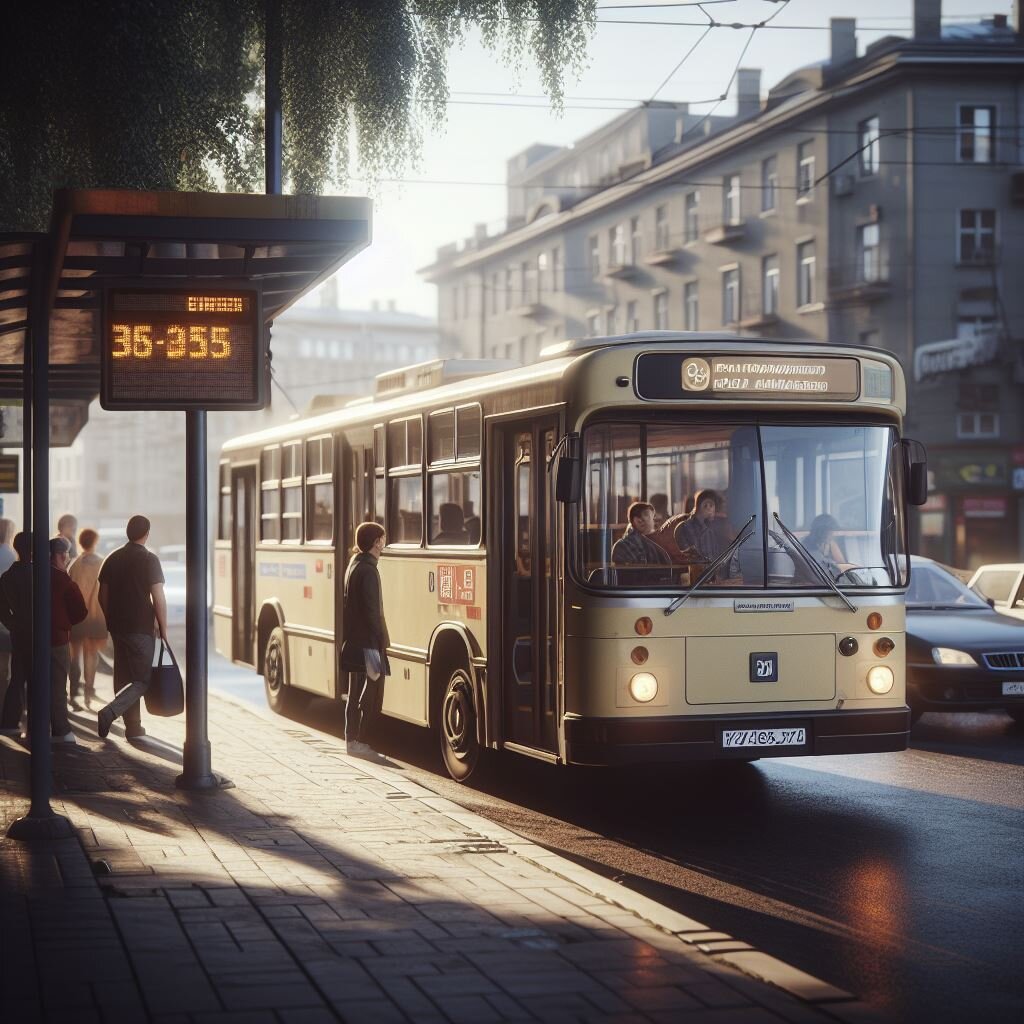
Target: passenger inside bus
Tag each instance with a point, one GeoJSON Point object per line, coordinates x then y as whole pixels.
{"type": "Point", "coordinates": [641, 561]}
{"type": "Point", "coordinates": [453, 525]}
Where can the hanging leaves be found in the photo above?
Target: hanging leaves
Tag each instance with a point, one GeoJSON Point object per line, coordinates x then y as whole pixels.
{"type": "Point", "coordinates": [146, 94]}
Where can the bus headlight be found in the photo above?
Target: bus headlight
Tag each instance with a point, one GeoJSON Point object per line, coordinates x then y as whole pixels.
{"type": "Point", "coordinates": [880, 679]}
{"type": "Point", "coordinates": [643, 687]}
{"type": "Point", "coordinates": [951, 656]}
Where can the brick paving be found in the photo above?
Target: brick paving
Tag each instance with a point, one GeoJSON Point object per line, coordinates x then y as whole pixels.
{"type": "Point", "coordinates": [324, 889]}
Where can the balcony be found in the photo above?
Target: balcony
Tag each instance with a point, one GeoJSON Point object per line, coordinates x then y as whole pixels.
{"type": "Point", "coordinates": [663, 257]}
{"type": "Point", "coordinates": [531, 308]}
{"type": "Point", "coordinates": [858, 285]}
{"type": "Point", "coordinates": [620, 271]}
{"type": "Point", "coordinates": [725, 234]}
{"type": "Point", "coordinates": [754, 317]}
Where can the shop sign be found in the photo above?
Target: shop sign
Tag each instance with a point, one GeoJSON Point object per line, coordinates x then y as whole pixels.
{"type": "Point", "coordinates": [954, 355]}
{"type": "Point", "coordinates": [962, 470]}
{"type": "Point", "coordinates": [984, 508]}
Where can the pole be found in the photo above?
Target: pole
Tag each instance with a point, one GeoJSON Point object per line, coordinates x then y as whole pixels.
{"type": "Point", "coordinates": [196, 771]}
{"type": "Point", "coordinates": [40, 822]}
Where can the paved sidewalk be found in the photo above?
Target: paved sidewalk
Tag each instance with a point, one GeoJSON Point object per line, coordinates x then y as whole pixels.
{"type": "Point", "coordinates": [324, 888]}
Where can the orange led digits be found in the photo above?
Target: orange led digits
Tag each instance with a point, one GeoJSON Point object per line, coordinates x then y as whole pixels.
{"type": "Point", "coordinates": [216, 304]}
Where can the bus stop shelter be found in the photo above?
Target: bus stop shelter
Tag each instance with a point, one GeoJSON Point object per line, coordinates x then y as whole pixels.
{"type": "Point", "coordinates": [51, 292]}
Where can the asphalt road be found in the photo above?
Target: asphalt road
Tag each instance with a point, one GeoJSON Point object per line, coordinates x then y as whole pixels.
{"type": "Point", "coordinates": [899, 877]}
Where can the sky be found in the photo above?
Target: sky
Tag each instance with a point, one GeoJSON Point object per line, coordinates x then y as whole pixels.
{"type": "Point", "coordinates": [459, 181]}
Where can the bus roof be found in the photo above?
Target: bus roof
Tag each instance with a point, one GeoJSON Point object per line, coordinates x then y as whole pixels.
{"type": "Point", "coordinates": [555, 360]}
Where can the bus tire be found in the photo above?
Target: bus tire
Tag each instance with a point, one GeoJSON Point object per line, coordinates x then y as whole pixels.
{"type": "Point", "coordinates": [281, 698]}
{"type": "Point", "coordinates": [460, 749]}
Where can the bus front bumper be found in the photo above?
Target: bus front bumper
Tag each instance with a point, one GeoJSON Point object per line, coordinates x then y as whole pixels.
{"type": "Point", "coordinates": [605, 741]}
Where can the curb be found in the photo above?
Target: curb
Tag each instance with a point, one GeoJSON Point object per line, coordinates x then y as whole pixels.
{"type": "Point", "coordinates": [719, 946]}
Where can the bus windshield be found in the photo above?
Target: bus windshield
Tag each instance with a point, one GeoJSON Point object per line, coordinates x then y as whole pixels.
{"type": "Point", "coordinates": [803, 493]}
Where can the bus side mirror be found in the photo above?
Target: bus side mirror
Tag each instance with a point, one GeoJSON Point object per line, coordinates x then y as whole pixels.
{"type": "Point", "coordinates": [568, 475]}
{"type": "Point", "coordinates": [915, 467]}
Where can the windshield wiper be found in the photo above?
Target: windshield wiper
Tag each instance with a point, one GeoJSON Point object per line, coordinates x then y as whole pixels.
{"type": "Point", "coordinates": [815, 568]}
{"type": "Point", "coordinates": [740, 539]}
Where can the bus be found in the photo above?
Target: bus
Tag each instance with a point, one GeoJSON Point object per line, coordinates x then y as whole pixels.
{"type": "Point", "coordinates": [517, 619]}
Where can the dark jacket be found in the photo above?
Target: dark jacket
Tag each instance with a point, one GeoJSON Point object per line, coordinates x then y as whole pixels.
{"type": "Point", "coordinates": [634, 549]}
{"type": "Point", "coordinates": [363, 624]}
{"type": "Point", "coordinates": [16, 598]}
{"type": "Point", "coordinates": [67, 606]}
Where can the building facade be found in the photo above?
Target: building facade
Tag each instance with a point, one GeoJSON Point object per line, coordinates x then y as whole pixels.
{"type": "Point", "coordinates": [875, 199]}
{"type": "Point", "coordinates": [124, 462]}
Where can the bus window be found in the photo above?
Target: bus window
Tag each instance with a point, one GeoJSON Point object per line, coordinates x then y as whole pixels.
{"type": "Point", "coordinates": [442, 436]}
{"type": "Point", "coordinates": [320, 489]}
{"type": "Point", "coordinates": [270, 495]}
{"type": "Point", "coordinates": [291, 492]}
{"type": "Point", "coordinates": [468, 432]}
{"type": "Point", "coordinates": [405, 511]}
{"type": "Point", "coordinates": [523, 444]}
{"type": "Point", "coordinates": [224, 519]}
{"type": "Point", "coordinates": [455, 507]}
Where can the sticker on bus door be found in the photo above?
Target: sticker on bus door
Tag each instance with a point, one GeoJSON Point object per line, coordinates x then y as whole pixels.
{"type": "Point", "coordinates": [456, 584]}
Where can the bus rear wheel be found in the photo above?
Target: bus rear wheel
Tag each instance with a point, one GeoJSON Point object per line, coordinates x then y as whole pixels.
{"type": "Point", "coordinates": [460, 748]}
{"type": "Point", "coordinates": [280, 696]}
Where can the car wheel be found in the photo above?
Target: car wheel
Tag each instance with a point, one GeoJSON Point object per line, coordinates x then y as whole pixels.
{"type": "Point", "coordinates": [280, 696]}
{"type": "Point", "coordinates": [460, 749]}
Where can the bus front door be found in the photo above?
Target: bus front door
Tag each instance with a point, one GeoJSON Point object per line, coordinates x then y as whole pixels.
{"type": "Point", "coordinates": [243, 563]}
{"type": "Point", "coordinates": [529, 586]}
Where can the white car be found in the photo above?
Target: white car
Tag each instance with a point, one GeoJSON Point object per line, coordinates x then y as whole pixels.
{"type": "Point", "coordinates": [1002, 586]}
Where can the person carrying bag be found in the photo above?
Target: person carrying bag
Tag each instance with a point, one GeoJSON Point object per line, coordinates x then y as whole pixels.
{"type": "Point", "coordinates": [364, 649]}
{"type": "Point", "coordinates": [165, 696]}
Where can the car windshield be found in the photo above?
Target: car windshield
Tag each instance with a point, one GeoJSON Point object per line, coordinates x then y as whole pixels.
{"type": "Point", "coordinates": [835, 489]}
{"type": "Point", "coordinates": [933, 587]}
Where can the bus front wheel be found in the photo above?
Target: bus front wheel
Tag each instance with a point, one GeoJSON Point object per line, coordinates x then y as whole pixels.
{"type": "Point", "coordinates": [457, 727]}
{"type": "Point", "coordinates": [281, 697]}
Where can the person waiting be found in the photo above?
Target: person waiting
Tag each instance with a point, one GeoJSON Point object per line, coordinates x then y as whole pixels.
{"type": "Point", "coordinates": [644, 561]}
{"type": "Point", "coordinates": [452, 524]}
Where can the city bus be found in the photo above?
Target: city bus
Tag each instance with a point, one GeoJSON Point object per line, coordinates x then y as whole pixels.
{"type": "Point", "coordinates": [518, 622]}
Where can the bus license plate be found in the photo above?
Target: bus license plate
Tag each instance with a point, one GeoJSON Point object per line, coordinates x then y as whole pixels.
{"type": "Point", "coordinates": [1013, 689]}
{"type": "Point", "coordinates": [732, 738]}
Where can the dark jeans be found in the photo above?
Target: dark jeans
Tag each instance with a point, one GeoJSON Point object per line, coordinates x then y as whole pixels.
{"type": "Point", "coordinates": [14, 701]}
{"type": "Point", "coordinates": [133, 666]}
{"type": "Point", "coordinates": [362, 706]}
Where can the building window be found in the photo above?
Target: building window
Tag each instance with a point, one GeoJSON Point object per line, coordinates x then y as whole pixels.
{"type": "Point", "coordinates": [769, 183]}
{"type": "Point", "coordinates": [977, 236]}
{"type": "Point", "coordinates": [455, 305]}
{"type": "Point", "coordinates": [869, 252]}
{"type": "Point", "coordinates": [805, 171]}
{"type": "Point", "coordinates": [636, 240]}
{"type": "Point", "coordinates": [556, 269]}
{"type": "Point", "coordinates": [731, 210]}
{"type": "Point", "coordinates": [691, 309]}
{"type": "Point", "coordinates": [632, 319]}
{"type": "Point", "coordinates": [805, 274]}
{"type": "Point", "coordinates": [770, 285]}
{"type": "Point", "coordinates": [611, 318]}
{"type": "Point", "coordinates": [662, 235]}
{"type": "Point", "coordinates": [617, 245]}
{"type": "Point", "coordinates": [691, 217]}
{"type": "Point", "coordinates": [731, 296]}
{"type": "Point", "coordinates": [971, 327]}
{"type": "Point", "coordinates": [661, 311]}
{"type": "Point", "coordinates": [977, 424]}
{"type": "Point", "coordinates": [102, 471]}
{"type": "Point", "coordinates": [594, 325]}
{"type": "Point", "coordinates": [869, 157]}
{"type": "Point", "coordinates": [495, 288]}
{"type": "Point", "coordinates": [594, 256]}
{"type": "Point", "coordinates": [525, 292]}
{"type": "Point", "coordinates": [542, 273]}
{"type": "Point", "coordinates": [976, 135]}
{"type": "Point", "coordinates": [509, 287]}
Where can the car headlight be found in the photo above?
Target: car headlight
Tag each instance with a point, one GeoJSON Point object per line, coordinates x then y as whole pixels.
{"type": "Point", "coordinates": [951, 656]}
{"type": "Point", "coordinates": [880, 679]}
{"type": "Point", "coordinates": [643, 687]}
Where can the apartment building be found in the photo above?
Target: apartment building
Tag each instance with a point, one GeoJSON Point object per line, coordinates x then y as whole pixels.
{"type": "Point", "coordinates": [873, 198]}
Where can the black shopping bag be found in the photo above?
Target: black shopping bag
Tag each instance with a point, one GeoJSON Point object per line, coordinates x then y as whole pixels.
{"type": "Point", "coordinates": [166, 695]}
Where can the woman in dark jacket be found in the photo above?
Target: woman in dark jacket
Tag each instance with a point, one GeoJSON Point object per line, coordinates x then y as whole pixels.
{"type": "Point", "coordinates": [364, 650]}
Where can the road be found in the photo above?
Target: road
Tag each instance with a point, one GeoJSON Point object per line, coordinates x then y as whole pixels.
{"type": "Point", "coordinates": [898, 877]}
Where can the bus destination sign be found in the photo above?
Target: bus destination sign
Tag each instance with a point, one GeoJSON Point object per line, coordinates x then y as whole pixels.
{"type": "Point", "coordinates": [671, 376]}
{"type": "Point", "coordinates": [191, 347]}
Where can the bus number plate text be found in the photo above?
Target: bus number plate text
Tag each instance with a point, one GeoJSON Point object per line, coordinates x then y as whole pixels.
{"type": "Point", "coordinates": [732, 738]}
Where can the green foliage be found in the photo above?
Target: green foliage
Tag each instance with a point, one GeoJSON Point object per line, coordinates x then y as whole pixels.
{"type": "Point", "coordinates": [167, 94]}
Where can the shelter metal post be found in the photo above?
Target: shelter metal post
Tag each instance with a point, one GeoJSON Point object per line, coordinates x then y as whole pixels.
{"type": "Point", "coordinates": [41, 822]}
{"type": "Point", "coordinates": [196, 771]}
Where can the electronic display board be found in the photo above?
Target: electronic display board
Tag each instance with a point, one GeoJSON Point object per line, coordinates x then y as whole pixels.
{"type": "Point", "coordinates": [196, 346]}
{"type": "Point", "coordinates": [671, 376]}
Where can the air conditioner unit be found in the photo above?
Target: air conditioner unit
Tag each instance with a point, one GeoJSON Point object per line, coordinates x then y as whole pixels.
{"type": "Point", "coordinates": [842, 185]}
{"type": "Point", "coordinates": [1017, 188]}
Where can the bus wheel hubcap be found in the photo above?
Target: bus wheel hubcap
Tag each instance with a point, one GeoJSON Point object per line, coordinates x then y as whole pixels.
{"type": "Point", "coordinates": [457, 714]}
{"type": "Point", "coordinates": [274, 668]}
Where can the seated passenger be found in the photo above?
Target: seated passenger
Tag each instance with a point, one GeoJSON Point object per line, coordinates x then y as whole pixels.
{"type": "Point", "coordinates": [660, 503]}
{"type": "Point", "coordinates": [701, 536]}
{"type": "Point", "coordinates": [646, 561]}
{"type": "Point", "coordinates": [453, 525]}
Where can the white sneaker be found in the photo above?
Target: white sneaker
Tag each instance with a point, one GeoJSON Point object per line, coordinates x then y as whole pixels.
{"type": "Point", "coordinates": [68, 737]}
